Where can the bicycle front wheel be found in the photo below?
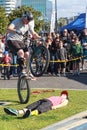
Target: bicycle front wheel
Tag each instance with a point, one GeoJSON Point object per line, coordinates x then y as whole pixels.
{"type": "Point", "coordinates": [23, 89]}
{"type": "Point", "coordinates": [39, 61]}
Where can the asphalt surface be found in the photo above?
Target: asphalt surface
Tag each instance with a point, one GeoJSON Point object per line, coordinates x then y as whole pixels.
{"type": "Point", "coordinates": [51, 82]}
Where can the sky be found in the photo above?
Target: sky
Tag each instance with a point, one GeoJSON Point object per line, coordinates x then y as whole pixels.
{"type": "Point", "coordinates": [69, 8]}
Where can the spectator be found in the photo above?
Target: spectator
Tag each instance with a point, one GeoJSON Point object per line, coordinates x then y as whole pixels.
{"type": "Point", "coordinates": [6, 60]}
{"type": "Point", "coordinates": [76, 51]}
{"type": "Point", "coordinates": [2, 49]}
{"type": "Point", "coordinates": [61, 55]}
{"type": "Point", "coordinates": [72, 36]}
{"type": "Point", "coordinates": [66, 43]}
{"type": "Point", "coordinates": [83, 39]}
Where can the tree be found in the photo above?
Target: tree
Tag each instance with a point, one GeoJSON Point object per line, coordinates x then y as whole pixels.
{"type": "Point", "coordinates": [62, 22]}
{"type": "Point", "coordinates": [3, 21]}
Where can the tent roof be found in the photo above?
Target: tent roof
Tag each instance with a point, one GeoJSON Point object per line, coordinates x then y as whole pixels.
{"type": "Point", "coordinates": [78, 24]}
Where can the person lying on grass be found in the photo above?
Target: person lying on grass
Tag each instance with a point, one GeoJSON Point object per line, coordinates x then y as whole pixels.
{"type": "Point", "coordinates": [40, 106]}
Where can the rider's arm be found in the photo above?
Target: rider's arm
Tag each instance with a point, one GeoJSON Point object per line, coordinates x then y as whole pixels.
{"type": "Point", "coordinates": [11, 27]}
{"type": "Point", "coordinates": [35, 35]}
{"type": "Point", "coordinates": [31, 29]}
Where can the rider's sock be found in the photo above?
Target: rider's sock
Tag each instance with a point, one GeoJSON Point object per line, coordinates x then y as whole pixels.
{"type": "Point", "coordinates": [21, 63]}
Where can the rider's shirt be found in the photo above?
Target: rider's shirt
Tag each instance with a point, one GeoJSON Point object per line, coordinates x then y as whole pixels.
{"type": "Point", "coordinates": [18, 25]}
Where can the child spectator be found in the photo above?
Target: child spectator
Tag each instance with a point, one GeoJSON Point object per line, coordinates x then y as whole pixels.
{"type": "Point", "coordinates": [6, 60]}
{"type": "Point", "coordinates": [61, 55]}
{"type": "Point", "coordinates": [76, 51]}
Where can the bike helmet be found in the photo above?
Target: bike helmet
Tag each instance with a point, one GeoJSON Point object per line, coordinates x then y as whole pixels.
{"type": "Point", "coordinates": [28, 15]}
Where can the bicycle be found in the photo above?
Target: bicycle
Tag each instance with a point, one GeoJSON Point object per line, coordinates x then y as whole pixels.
{"type": "Point", "coordinates": [37, 64]}
{"type": "Point", "coordinates": [39, 58]}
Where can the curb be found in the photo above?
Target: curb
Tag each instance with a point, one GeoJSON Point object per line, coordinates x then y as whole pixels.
{"type": "Point", "coordinates": [69, 123]}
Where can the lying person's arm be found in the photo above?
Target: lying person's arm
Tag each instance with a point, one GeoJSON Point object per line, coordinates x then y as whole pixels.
{"type": "Point", "coordinates": [61, 105]}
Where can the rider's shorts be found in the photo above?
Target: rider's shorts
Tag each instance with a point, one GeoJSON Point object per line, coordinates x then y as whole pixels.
{"type": "Point", "coordinates": [15, 46]}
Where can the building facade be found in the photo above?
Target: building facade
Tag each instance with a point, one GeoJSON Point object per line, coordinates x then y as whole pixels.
{"type": "Point", "coordinates": [39, 5]}
{"type": "Point", "coordinates": [45, 6]}
{"type": "Point", "coordinates": [9, 5]}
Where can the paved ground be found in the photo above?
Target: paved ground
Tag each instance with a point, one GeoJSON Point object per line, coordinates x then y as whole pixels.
{"type": "Point", "coordinates": [52, 82]}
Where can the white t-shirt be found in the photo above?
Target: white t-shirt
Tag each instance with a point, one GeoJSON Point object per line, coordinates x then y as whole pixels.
{"type": "Point", "coordinates": [2, 48]}
{"type": "Point", "coordinates": [18, 25]}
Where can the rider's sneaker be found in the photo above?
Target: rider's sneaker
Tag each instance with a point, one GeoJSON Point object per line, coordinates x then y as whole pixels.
{"type": "Point", "coordinates": [11, 111]}
{"type": "Point", "coordinates": [31, 75]}
{"type": "Point", "coordinates": [27, 113]}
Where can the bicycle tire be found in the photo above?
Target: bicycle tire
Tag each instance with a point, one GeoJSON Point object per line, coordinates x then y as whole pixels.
{"type": "Point", "coordinates": [39, 61]}
{"type": "Point", "coordinates": [23, 89]}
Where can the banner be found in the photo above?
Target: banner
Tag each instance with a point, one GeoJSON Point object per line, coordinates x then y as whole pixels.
{"type": "Point", "coordinates": [52, 24]}
{"type": "Point", "coordinates": [86, 19]}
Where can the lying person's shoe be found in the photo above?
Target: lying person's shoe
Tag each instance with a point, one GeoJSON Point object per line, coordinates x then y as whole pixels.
{"type": "Point", "coordinates": [27, 113]}
{"type": "Point", "coordinates": [11, 111]}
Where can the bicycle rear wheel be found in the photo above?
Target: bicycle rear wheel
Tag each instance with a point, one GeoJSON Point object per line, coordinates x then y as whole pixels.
{"type": "Point", "coordinates": [23, 89]}
{"type": "Point", "coordinates": [39, 61]}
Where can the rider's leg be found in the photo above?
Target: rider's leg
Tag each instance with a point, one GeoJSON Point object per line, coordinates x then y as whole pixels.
{"type": "Point", "coordinates": [20, 54]}
{"type": "Point", "coordinates": [26, 55]}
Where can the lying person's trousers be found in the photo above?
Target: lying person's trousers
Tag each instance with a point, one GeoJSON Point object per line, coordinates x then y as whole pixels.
{"type": "Point", "coordinates": [42, 105]}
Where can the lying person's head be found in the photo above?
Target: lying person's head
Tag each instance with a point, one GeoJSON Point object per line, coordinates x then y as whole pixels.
{"type": "Point", "coordinates": [64, 94]}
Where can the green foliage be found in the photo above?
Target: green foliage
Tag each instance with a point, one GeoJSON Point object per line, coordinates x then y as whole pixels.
{"type": "Point", "coordinates": [77, 103]}
{"type": "Point", "coordinates": [62, 22]}
{"type": "Point", "coordinates": [3, 20]}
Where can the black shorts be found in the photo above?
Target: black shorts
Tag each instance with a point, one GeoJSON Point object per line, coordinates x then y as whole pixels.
{"type": "Point", "coordinates": [15, 46]}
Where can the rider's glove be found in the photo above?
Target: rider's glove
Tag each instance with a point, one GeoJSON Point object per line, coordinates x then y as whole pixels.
{"type": "Point", "coordinates": [19, 32]}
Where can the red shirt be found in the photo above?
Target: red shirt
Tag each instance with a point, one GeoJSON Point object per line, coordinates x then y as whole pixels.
{"type": "Point", "coordinates": [6, 60]}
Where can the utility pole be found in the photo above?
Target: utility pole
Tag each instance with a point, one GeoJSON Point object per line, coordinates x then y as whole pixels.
{"type": "Point", "coordinates": [56, 25]}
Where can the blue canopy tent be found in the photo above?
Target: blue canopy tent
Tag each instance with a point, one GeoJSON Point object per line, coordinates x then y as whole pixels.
{"type": "Point", "coordinates": [77, 25]}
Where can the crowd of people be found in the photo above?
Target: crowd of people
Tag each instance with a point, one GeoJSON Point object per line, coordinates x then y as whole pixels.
{"type": "Point", "coordinates": [67, 53]}
{"type": "Point", "coordinates": [67, 48]}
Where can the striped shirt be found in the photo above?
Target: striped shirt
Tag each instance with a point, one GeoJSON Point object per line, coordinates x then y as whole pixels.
{"type": "Point", "coordinates": [18, 25]}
